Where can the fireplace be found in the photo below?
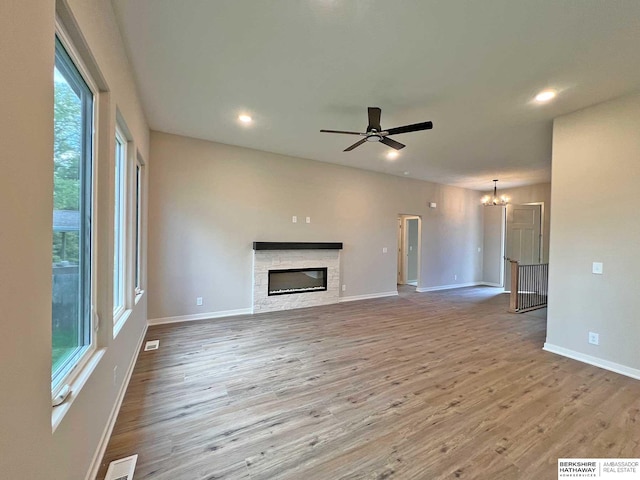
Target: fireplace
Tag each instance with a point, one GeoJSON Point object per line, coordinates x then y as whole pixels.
{"type": "Point", "coordinates": [290, 275]}
{"type": "Point", "coordinates": [297, 280]}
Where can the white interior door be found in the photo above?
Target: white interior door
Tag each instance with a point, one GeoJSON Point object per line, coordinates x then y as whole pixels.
{"type": "Point", "coordinates": [523, 236]}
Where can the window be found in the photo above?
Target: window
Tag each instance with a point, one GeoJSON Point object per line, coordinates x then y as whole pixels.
{"type": "Point", "coordinates": [138, 227]}
{"type": "Point", "coordinates": [72, 335]}
{"type": "Point", "coordinates": [119, 216]}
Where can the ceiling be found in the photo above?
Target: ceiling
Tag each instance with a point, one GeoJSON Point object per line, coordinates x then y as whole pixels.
{"type": "Point", "coordinates": [298, 66]}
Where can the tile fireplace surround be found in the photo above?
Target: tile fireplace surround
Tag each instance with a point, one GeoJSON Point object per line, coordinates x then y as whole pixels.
{"type": "Point", "coordinates": [289, 255]}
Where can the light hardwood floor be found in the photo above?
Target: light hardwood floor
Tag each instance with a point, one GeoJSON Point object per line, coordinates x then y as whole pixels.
{"type": "Point", "coordinates": [420, 386]}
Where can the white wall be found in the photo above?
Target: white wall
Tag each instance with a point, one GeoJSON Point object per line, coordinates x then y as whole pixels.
{"type": "Point", "coordinates": [29, 449]}
{"type": "Point", "coordinates": [596, 173]}
{"type": "Point", "coordinates": [209, 202]}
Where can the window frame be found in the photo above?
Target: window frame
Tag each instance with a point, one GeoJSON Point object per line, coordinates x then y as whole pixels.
{"type": "Point", "coordinates": [138, 214]}
{"type": "Point", "coordinates": [120, 215]}
{"type": "Point", "coordinates": [76, 362]}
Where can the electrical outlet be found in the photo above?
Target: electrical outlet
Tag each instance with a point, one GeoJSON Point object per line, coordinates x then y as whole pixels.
{"type": "Point", "coordinates": [308, 219]}
{"type": "Point", "coordinates": [597, 268]}
{"type": "Point", "coordinates": [344, 288]}
{"type": "Point", "coordinates": [384, 250]}
{"type": "Point", "coordinates": [199, 301]}
{"type": "Point", "coordinates": [594, 338]}
{"type": "Point", "coordinates": [294, 219]}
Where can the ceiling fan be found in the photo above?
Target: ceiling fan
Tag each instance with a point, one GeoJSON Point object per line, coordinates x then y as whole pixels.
{"type": "Point", "coordinates": [375, 133]}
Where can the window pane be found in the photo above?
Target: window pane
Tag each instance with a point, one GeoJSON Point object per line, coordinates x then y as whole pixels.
{"type": "Point", "coordinates": [71, 215]}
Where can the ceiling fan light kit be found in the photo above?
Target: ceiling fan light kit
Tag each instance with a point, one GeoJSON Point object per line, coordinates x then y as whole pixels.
{"type": "Point", "coordinates": [375, 133]}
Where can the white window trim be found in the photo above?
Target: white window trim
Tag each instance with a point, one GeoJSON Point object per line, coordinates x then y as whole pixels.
{"type": "Point", "coordinates": [118, 312]}
{"type": "Point", "coordinates": [128, 232]}
{"type": "Point", "coordinates": [137, 246]}
{"type": "Point", "coordinates": [85, 354]}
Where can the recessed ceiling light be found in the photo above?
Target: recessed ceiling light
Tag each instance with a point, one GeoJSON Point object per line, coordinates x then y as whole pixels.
{"type": "Point", "coordinates": [545, 95]}
{"type": "Point", "coordinates": [245, 119]}
{"type": "Point", "coordinates": [392, 154]}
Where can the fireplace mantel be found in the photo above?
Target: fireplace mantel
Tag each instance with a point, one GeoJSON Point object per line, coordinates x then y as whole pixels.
{"type": "Point", "coordinates": [297, 245]}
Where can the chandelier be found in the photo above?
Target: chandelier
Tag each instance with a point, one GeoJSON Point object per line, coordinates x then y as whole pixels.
{"type": "Point", "coordinates": [489, 200]}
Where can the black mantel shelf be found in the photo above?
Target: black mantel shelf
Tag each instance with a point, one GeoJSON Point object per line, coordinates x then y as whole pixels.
{"type": "Point", "coordinates": [297, 245]}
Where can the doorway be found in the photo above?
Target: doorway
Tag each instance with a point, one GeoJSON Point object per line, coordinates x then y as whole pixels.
{"type": "Point", "coordinates": [523, 236]}
{"type": "Point", "coordinates": [409, 249]}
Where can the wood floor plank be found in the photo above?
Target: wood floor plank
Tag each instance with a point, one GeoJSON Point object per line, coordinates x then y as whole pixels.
{"type": "Point", "coordinates": [422, 386]}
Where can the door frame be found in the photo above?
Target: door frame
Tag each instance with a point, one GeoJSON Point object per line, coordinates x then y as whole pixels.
{"type": "Point", "coordinates": [403, 240]}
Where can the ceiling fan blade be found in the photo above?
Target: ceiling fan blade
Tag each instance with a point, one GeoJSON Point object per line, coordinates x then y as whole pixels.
{"type": "Point", "coordinates": [392, 143]}
{"type": "Point", "coordinates": [374, 119]}
{"type": "Point", "coordinates": [357, 144]}
{"type": "Point", "coordinates": [340, 131]}
{"type": "Point", "coordinates": [416, 127]}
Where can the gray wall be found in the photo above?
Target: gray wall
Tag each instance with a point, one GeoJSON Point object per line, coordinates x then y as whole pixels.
{"type": "Point", "coordinates": [29, 449]}
{"type": "Point", "coordinates": [492, 265]}
{"type": "Point", "coordinates": [209, 202]}
{"type": "Point", "coordinates": [596, 173]}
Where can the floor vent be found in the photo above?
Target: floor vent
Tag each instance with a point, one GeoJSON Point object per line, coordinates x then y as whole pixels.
{"type": "Point", "coordinates": [122, 469]}
{"type": "Point", "coordinates": [152, 345]}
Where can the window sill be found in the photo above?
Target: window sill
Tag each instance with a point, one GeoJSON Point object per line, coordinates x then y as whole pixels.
{"type": "Point", "coordinates": [139, 296]}
{"type": "Point", "coordinates": [59, 412]}
{"type": "Point", "coordinates": [120, 321]}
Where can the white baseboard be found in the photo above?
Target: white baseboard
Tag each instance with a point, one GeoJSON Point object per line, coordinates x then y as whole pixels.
{"type": "Point", "coordinates": [111, 422]}
{"type": "Point", "coordinates": [595, 361]}
{"type": "Point", "coordinates": [447, 287]}
{"type": "Point", "coordinates": [490, 284]}
{"type": "Point", "coordinates": [199, 316]}
{"type": "Point", "coordinates": [353, 298]}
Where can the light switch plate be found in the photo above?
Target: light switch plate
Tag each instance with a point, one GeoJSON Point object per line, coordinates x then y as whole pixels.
{"type": "Point", "coordinates": [597, 268]}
